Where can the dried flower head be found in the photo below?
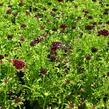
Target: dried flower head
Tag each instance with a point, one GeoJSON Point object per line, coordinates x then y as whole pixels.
{"type": "Point", "coordinates": [9, 11]}
{"type": "Point", "coordinates": [43, 71]}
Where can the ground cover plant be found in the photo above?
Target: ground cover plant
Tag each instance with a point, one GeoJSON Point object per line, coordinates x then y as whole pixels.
{"type": "Point", "coordinates": [54, 54]}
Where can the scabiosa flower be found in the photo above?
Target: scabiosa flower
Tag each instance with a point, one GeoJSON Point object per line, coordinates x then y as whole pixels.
{"type": "Point", "coordinates": [56, 44]}
{"type": "Point", "coordinates": [19, 64]}
{"type": "Point", "coordinates": [38, 39]}
{"type": "Point", "coordinates": [103, 32]}
{"type": "Point", "coordinates": [88, 27]}
{"type": "Point", "coordinates": [93, 49]}
{"type": "Point", "coordinates": [63, 26]}
{"type": "Point", "coordinates": [43, 71]}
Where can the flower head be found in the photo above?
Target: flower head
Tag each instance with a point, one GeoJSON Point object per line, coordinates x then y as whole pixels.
{"type": "Point", "coordinates": [63, 26]}
{"type": "Point", "coordinates": [103, 32]}
{"type": "Point", "coordinates": [19, 64]}
{"type": "Point", "coordinates": [43, 71]}
{"type": "Point", "coordinates": [56, 44]}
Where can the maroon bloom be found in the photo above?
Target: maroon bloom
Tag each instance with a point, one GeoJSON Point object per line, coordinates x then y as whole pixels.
{"type": "Point", "coordinates": [103, 32]}
{"type": "Point", "coordinates": [19, 64]}
{"type": "Point", "coordinates": [56, 44]}
{"type": "Point", "coordinates": [63, 26]}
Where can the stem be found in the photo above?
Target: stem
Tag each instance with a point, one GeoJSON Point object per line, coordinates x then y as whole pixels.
{"type": "Point", "coordinates": [44, 103]}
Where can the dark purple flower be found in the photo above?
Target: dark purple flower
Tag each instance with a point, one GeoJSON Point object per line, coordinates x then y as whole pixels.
{"type": "Point", "coordinates": [63, 26]}
{"type": "Point", "coordinates": [56, 44]}
{"type": "Point", "coordinates": [53, 50]}
{"type": "Point", "coordinates": [103, 32]}
{"type": "Point", "coordinates": [93, 49]}
{"type": "Point", "coordinates": [19, 64]}
{"type": "Point", "coordinates": [89, 27]}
